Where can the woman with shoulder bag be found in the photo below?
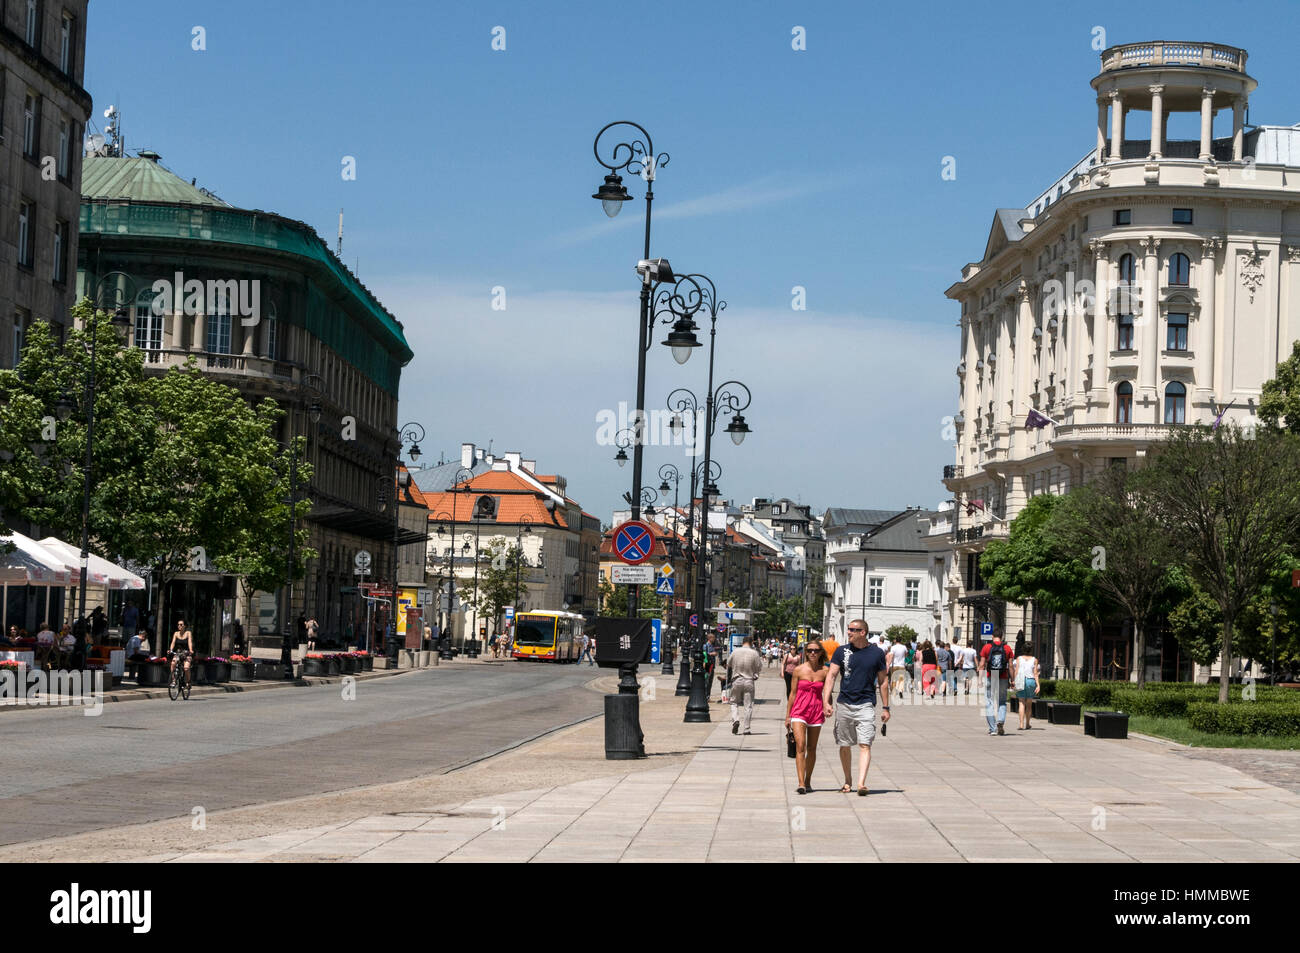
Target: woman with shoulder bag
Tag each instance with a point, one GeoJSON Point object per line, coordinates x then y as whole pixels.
{"type": "Point", "coordinates": [805, 714]}
{"type": "Point", "coordinates": [1024, 669]}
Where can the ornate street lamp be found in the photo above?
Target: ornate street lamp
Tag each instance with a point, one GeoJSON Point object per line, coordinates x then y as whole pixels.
{"type": "Point", "coordinates": [669, 474]}
{"type": "Point", "coordinates": [692, 295]}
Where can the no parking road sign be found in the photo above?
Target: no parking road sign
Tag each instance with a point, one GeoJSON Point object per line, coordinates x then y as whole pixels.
{"type": "Point", "coordinates": [633, 542]}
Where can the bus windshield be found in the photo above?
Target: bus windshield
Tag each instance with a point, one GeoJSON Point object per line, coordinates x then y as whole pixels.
{"type": "Point", "coordinates": [535, 630]}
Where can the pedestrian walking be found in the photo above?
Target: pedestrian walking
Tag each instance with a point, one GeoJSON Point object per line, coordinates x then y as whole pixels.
{"type": "Point", "coordinates": [944, 657]}
{"type": "Point", "coordinates": [995, 668]}
{"type": "Point", "coordinates": [929, 668]}
{"type": "Point", "coordinates": [965, 661]}
{"type": "Point", "coordinates": [789, 662]}
{"type": "Point", "coordinates": [585, 644]}
{"type": "Point", "coordinates": [909, 668]}
{"type": "Point", "coordinates": [1024, 669]}
{"type": "Point", "coordinates": [897, 668]}
{"type": "Point", "coordinates": [864, 675]}
{"type": "Point", "coordinates": [805, 713]}
{"type": "Point", "coordinates": [743, 668]}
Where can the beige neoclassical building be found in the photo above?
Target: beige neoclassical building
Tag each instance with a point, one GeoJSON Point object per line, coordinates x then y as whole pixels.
{"type": "Point", "coordinates": [1154, 284]}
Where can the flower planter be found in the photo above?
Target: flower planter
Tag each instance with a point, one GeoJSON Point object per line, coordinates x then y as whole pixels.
{"type": "Point", "coordinates": [335, 667]}
{"type": "Point", "coordinates": [269, 670]}
{"type": "Point", "coordinates": [241, 671]}
{"type": "Point", "coordinates": [154, 674]}
{"type": "Point", "coordinates": [315, 666]}
{"type": "Point", "coordinates": [216, 672]}
{"type": "Point", "coordinates": [347, 665]}
{"type": "Point", "coordinates": [368, 663]}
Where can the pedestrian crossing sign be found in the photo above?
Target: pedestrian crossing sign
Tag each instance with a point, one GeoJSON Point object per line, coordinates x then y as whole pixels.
{"type": "Point", "coordinates": [667, 586]}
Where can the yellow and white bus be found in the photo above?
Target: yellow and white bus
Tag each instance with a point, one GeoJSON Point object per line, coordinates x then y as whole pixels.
{"type": "Point", "coordinates": [545, 635]}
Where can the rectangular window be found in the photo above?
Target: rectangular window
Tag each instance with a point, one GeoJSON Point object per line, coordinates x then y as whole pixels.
{"type": "Point", "coordinates": [219, 330]}
{"type": "Point", "coordinates": [876, 594]}
{"type": "Point", "coordinates": [61, 252]}
{"type": "Point", "coordinates": [272, 337]}
{"type": "Point", "coordinates": [1123, 216]}
{"type": "Point", "coordinates": [913, 592]}
{"type": "Point", "coordinates": [21, 319]}
{"type": "Point", "coordinates": [67, 37]}
{"type": "Point", "coordinates": [1176, 338]}
{"type": "Point", "coordinates": [1124, 341]}
{"type": "Point", "coordinates": [1182, 216]}
{"type": "Point", "coordinates": [31, 116]}
{"type": "Point", "coordinates": [26, 230]}
{"type": "Point", "coordinates": [148, 329]}
{"type": "Point", "coordinates": [65, 149]}
{"type": "Point", "coordinates": [32, 31]}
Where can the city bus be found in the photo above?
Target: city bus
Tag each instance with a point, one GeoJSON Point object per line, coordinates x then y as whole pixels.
{"type": "Point", "coordinates": [545, 635]}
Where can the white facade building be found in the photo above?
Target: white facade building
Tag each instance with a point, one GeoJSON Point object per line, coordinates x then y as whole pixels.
{"type": "Point", "coordinates": [1153, 286]}
{"type": "Point", "coordinates": [880, 568]}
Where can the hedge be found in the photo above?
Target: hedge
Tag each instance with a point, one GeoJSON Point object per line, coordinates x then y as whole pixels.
{"type": "Point", "coordinates": [1162, 699]}
{"type": "Point", "coordinates": [1245, 718]}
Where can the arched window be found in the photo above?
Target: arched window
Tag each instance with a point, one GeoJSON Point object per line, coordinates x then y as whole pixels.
{"type": "Point", "coordinates": [1179, 269]}
{"type": "Point", "coordinates": [149, 323]}
{"type": "Point", "coordinates": [1175, 403]}
{"type": "Point", "coordinates": [1124, 403]}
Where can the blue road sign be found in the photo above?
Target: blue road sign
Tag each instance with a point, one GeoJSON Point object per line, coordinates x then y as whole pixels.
{"type": "Point", "coordinates": [986, 628]}
{"type": "Point", "coordinates": [666, 586]}
{"type": "Point", "coordinates": [656, 632]}
{"type": "Point", "coordinates": [633, 542]}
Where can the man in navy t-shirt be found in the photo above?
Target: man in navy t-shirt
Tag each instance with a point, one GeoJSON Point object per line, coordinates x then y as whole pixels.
{"type": "Point", "coordinates": [864, 673]}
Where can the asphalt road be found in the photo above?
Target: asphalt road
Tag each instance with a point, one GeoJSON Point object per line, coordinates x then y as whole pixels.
{"type": "Point", "coordinates": [64, 773]}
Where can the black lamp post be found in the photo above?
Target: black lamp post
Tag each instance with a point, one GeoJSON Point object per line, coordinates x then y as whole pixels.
{"type": "Point", "coordinates": [485, 508]}
{"type": "Point", "coordinates": [411, 433]}
{"type": "Point", "coordinates": [1272, 644]}
{"type": "Point", "coordinates": [670, 474]}
{"type": "Point", "coordinates": [525, 527]}
{"type": "Point", "coordinates": [462, 476]}
{"type": "Point", "coordinates": [693, 295]}
{"type": "Point", "coordinates": [308, 393]}
{"type": "Point", "coordinates": [115, 284]}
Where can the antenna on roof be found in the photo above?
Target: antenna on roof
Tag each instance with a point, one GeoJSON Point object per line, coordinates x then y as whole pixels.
{"type": "Point", "coordinates": [340, 245]}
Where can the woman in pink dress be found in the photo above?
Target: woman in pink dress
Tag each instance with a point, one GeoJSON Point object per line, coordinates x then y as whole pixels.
{"type": "Point", "coordinates": [805, 714]}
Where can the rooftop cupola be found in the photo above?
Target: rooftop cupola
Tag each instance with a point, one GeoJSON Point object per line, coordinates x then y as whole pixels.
{"type": "Point", "coordinates": [1166, 77]}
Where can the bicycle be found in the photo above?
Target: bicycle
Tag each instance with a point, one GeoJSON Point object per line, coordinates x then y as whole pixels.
{"type": "Point", "coordinates": [180, 680]}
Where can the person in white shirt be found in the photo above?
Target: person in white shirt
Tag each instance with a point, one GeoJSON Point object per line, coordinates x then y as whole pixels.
{"type": "Point", "coordinates": [897, 654]}
{"type": "Point", "coordinates": [964, 660]}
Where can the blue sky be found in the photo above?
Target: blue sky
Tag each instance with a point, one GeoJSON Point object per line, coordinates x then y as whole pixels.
{"type": "Point", "coordinates": [817, 168]}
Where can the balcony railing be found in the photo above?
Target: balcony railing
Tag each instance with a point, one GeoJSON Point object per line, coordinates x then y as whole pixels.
{"type": "Point", "coordinates": [1173, 53]}
{"type": "Point", "coordinates": [249, 365]}
{"type": "Point", "coordinates": [1103, 433]}
{"type": "Point", "coordinates": [952, 471]}
{"type": "Point", "coordinates": [969, 533]}
{"type": "Point", "coordinates": [1221, 149]}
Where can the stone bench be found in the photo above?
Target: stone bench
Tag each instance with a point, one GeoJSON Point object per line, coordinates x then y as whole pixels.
{"type": "Point", "coordinates": [1063, 713]}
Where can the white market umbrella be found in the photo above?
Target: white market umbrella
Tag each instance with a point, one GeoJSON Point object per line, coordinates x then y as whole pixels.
{"type": "Point", "coordinates": [99, 571]}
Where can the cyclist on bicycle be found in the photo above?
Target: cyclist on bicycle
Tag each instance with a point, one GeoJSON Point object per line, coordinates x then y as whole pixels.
{"type": "Point", "coordinates": [182, 648]}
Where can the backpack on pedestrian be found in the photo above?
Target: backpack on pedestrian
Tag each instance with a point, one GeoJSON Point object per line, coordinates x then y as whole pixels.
{"type": "Point", "coordinates": [997, 657]}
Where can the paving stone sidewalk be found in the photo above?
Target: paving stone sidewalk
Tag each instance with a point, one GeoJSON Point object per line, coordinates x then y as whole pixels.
{"type": "Point", "coordinates": [941, 788]}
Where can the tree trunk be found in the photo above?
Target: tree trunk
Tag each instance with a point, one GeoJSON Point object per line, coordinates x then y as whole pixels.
{"type": "Point", "coordinates": [162, 641]}
{"type": "Point", "coordinates": [1225, 660]}
{"type": "Point", "coordinates": [1140, 653]}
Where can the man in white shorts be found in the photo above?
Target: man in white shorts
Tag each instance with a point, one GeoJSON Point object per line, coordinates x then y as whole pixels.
{"type": "Point", "coordinates": [865, 676]}
{"type": "Point", "coordinates": [897, 667]}
{"type": "Point", "coordinates": [965, 662]}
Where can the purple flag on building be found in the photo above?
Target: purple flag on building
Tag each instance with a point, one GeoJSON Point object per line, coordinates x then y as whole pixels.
{"type": "Point", "coordinates": [1035, 419]}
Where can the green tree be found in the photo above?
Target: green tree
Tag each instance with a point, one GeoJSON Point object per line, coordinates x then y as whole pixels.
{"type": "Point", "coordinates": [1112, 523]}
{"type": "Point", "coordinates": [1196, 623]}
{"type": "Point", "coordinates": [496, 586]}
{"type": "Point", "coordinates": [901, 632]}
{"type": "Point", "coordinates": [1230, 503]}
{"type": "Point", "coordinates": [1279, 403]}
{"type": "Point", "coordinates": [1031, 565]}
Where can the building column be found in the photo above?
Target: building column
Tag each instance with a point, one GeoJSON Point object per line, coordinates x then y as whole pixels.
{"type": "Point", "coordinates": [970, 394]}
{"type": "Point", "coordinates": [1203, 346]}
{"type": "Point", "coordinates": [1238, 126]}
{"type": "Point", "coordinates": [1207, 123]}
{"type": "Point", "coordinates": [200, 340]}
{"type": "Point", "coordinates": [1116, 124]}
{"type": "Point", "coordinates": [1102, 104]}
{"type": "Point", "coordinates": [1149, 332]}
{"type": "Point", "coordinates": [1099, 340]}
{"type": "Point", "coordinates": [1003, 370]}
{"type": "Point", "coordinates": [1024, 356]}
{"type": "Point", "coordinates": [1157, 120]}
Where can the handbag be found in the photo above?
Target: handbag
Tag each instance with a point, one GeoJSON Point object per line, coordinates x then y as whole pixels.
{"type": "Point", "coordinates": [789, 742]}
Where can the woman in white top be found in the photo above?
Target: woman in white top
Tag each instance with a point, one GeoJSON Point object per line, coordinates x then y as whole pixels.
{"type": "Point", "coordinates": [1024, 670]}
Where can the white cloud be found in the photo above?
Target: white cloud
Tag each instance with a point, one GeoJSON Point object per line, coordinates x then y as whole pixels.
{"type": "Point", "coordinates": [846, 411]}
